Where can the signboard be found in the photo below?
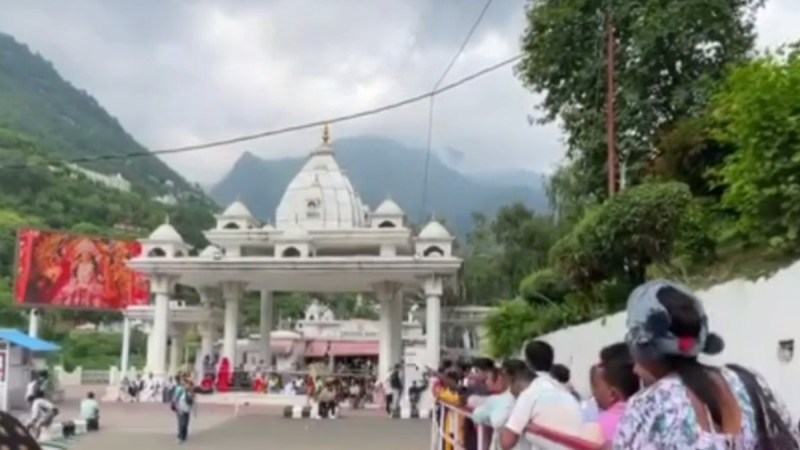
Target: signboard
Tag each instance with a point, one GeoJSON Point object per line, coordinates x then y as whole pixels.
{"type": "Point", "coordinates": [62, 270]}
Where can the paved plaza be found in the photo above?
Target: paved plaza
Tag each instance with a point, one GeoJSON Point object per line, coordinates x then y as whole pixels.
{"type": "Point", "coordinates": [151, 427]}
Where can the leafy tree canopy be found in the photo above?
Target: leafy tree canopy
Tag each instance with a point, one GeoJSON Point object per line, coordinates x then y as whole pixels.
{"type": "Point", "coordinates": [621, 238]}
{"type": "Point", "coordinates": [669, 54]}
{"type": "Point", "coordinates": [758, 111]}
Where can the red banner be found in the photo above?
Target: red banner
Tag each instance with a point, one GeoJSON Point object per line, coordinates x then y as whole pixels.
{"type": "Point", "coordinates": [61, 270]}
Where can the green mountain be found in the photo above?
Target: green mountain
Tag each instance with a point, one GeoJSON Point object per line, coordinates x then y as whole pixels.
{"type": "Point", "coordinates": [44, 120]}
{"type": "Point", "coordinates": [67, 122]}
{"type": "Point", "coordinates": [378, 168]}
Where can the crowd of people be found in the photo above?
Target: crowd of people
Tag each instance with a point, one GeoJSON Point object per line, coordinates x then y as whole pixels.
{"type": "Point", "coordinates": [648, 391]}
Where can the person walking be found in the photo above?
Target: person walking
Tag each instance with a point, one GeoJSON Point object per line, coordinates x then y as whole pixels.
{"type": "Point", "coordinates": [183, 405]}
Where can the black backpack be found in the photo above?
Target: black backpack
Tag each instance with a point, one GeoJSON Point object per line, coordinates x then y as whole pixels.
{"type": "Point", "coordinates": [395, 381]}
{"type": "Point", "coordinates": [773, 432]}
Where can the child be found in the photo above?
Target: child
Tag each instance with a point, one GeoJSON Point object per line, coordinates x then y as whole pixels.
{"type": "Point", "coordinates": [613, 384]}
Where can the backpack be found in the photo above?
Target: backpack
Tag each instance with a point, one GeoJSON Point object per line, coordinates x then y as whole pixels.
{"type": "Point", "coordinates": [189, 397]}
{"type": "Point", "coordinates": [773, 431]}
{"type": "Point", "coordinates": [395, 381]}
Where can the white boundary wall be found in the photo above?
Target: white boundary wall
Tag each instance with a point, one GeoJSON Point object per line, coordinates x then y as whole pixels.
{"type": "Point", "coordinates": [752, 317]}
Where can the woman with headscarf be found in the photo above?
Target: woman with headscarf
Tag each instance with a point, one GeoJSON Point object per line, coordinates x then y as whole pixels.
{"type": "Point", "coordinates": [686, 404]}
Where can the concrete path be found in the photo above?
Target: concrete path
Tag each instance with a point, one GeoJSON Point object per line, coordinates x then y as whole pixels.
{"type": "Point", "coordinates": [151, 426]}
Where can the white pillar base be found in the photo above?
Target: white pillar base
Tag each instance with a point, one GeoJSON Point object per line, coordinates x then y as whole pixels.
{"type": "Point", "coordinates": [265, 330]}
{"type": "Point", "coordinates": [232, 293]}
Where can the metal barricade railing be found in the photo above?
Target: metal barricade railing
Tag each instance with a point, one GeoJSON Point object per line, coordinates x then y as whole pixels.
{"type": "Point", "coordinates": [449, 426]}
{"type": "Point", "coordinates": [447, 431]}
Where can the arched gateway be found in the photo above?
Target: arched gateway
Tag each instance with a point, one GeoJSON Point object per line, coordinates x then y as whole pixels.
{"type": "Point", "coordinates": [325, 239]}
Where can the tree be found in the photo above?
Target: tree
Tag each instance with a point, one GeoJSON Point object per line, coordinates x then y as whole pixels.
{"type": "Point", "coordinates": [569, 195]}
{"type": "Point", "coordinates": [525, 239]}
{"type": "Point", "coordinates": [758, 112]}
{"type": "Point", "coordinates": [545, 286]}
{"type": "Point", "coordinates": [509, 326]}
{"type": "Point", "coordinates": [669, 53]}
{"type": "Point", "coordinates": [620, 239]}
{"type": "Point", "coordinates": [482, 278]}
{"type": "Point", "coordinates": [688, 152]}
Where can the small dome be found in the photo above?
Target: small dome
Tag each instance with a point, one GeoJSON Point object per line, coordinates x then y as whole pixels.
{"type": "Point", "coordinates": [211, 252]}
{"type": "Point", "coordinates": [166, 233]}
{"type": "Point", "coordinates": [268, 227]}
{"type": "Point", "coordinates": [388, 208]}
{"type": "Point", "coordinates": [237, 209]}
{"type": "Point", "coordinates": [434, 230]}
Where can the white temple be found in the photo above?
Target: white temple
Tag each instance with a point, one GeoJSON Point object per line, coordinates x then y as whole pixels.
{"type": "Point", "coordinates": [325, 239]}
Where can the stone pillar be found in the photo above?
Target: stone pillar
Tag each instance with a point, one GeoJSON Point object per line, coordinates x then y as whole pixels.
{"type": "Point", "coordinates": [265, 347]}
{"type": "Point", "coordinates": [207, 338]}
{"type": "Point", "coordinates": [124, 359]}
{"type": "Point", "coordinates": [232, 294]}
{"type": "Point", "coordinates": [387, 348]}
{"type": "Point", "coordinates": [207, 330]}
{"type": "Point", "coordinates": [150, 349]}
{"type": "Point", "coordinates": [433, 320]}
{"type": "Point", "coordinates": [33, 322]}
{"type": "Point", "coordinates": [161, 288]}
{"type": "Point", "coordinates": [176, 351]}
{"type": "Point", "coordinates": [396, 330]}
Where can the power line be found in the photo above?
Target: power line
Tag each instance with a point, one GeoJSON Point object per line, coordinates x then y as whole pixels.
{"type": "Point", "coordinates": [429, 139]}
{"type": "Point", "coordinates": [277, 131]}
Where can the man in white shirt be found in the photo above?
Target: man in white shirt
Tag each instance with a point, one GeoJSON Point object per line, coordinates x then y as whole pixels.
{"type": "Point", "coordinates": [90, 409]}
{"type": "Point", "coordinates": [541, 399]}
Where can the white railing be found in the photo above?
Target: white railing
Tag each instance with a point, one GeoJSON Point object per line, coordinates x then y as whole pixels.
{"type": "Point", "coordinates": [448, 424]}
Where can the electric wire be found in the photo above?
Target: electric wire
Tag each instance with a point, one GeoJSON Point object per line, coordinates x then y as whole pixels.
{"type": "Point", "coordinates": [429, 139]}
{"type": "Point", "coordinates": [273, 132]}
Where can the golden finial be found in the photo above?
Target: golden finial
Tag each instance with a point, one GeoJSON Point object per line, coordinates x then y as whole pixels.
{"type": "Point", "coordinates": [326, 135]}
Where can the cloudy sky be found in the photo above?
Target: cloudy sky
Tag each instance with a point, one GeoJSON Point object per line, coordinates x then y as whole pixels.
{"type": "Point", "coordinates": [181, 72]}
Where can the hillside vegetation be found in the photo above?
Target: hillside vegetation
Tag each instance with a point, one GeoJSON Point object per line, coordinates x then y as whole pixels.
{"type": "Point", "coordinates": [44, 120]}
{"type": "Point", "coordinates": [51, 197]}
{"type": "Point", "coordinates": [67, 122]}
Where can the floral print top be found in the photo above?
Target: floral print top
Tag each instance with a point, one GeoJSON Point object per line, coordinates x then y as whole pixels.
{"type": "Point", "coordinates": [662, 417]}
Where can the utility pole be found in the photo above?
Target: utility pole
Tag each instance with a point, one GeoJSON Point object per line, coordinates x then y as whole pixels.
{"type": "Point", "coordinates": [611, 132]}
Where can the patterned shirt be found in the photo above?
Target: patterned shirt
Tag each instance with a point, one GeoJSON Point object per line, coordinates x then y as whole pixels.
{"type": "Point", "coordinates": [662, 417]}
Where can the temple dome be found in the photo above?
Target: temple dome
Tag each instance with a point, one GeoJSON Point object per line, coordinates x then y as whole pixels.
{"type": "Point", "coordinates": [434, 230]}
{"type": "Point", "coordinates": [237, 209]}
{"type": "Point", "coordinates": [320, 196]}
{"type": "Point", "coordinates": [388, 208]}
{"type": "Point", "coordinates": [166, 233]}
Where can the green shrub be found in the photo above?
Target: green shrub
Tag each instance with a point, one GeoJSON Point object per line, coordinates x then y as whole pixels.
{"type": "Point", "coordinates": [544, 286]}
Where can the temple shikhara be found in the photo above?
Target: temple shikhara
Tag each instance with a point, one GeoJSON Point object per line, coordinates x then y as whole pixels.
{"type": "Point", "coordinates": [323, 239]}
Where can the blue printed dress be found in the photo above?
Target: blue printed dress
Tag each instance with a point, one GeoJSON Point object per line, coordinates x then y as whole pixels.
{"type": "Point", "coordinates": [662, 417]}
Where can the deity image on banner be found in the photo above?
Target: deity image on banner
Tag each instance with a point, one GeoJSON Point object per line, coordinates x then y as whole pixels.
{"type": "Point", "coordinates": [69, 271]}
{"type": "Point", "coordinates": [85, 286]}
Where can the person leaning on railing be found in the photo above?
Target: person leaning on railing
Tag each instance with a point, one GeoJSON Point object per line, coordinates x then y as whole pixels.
{"type": "Point", "coordinates": [447, 391]}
